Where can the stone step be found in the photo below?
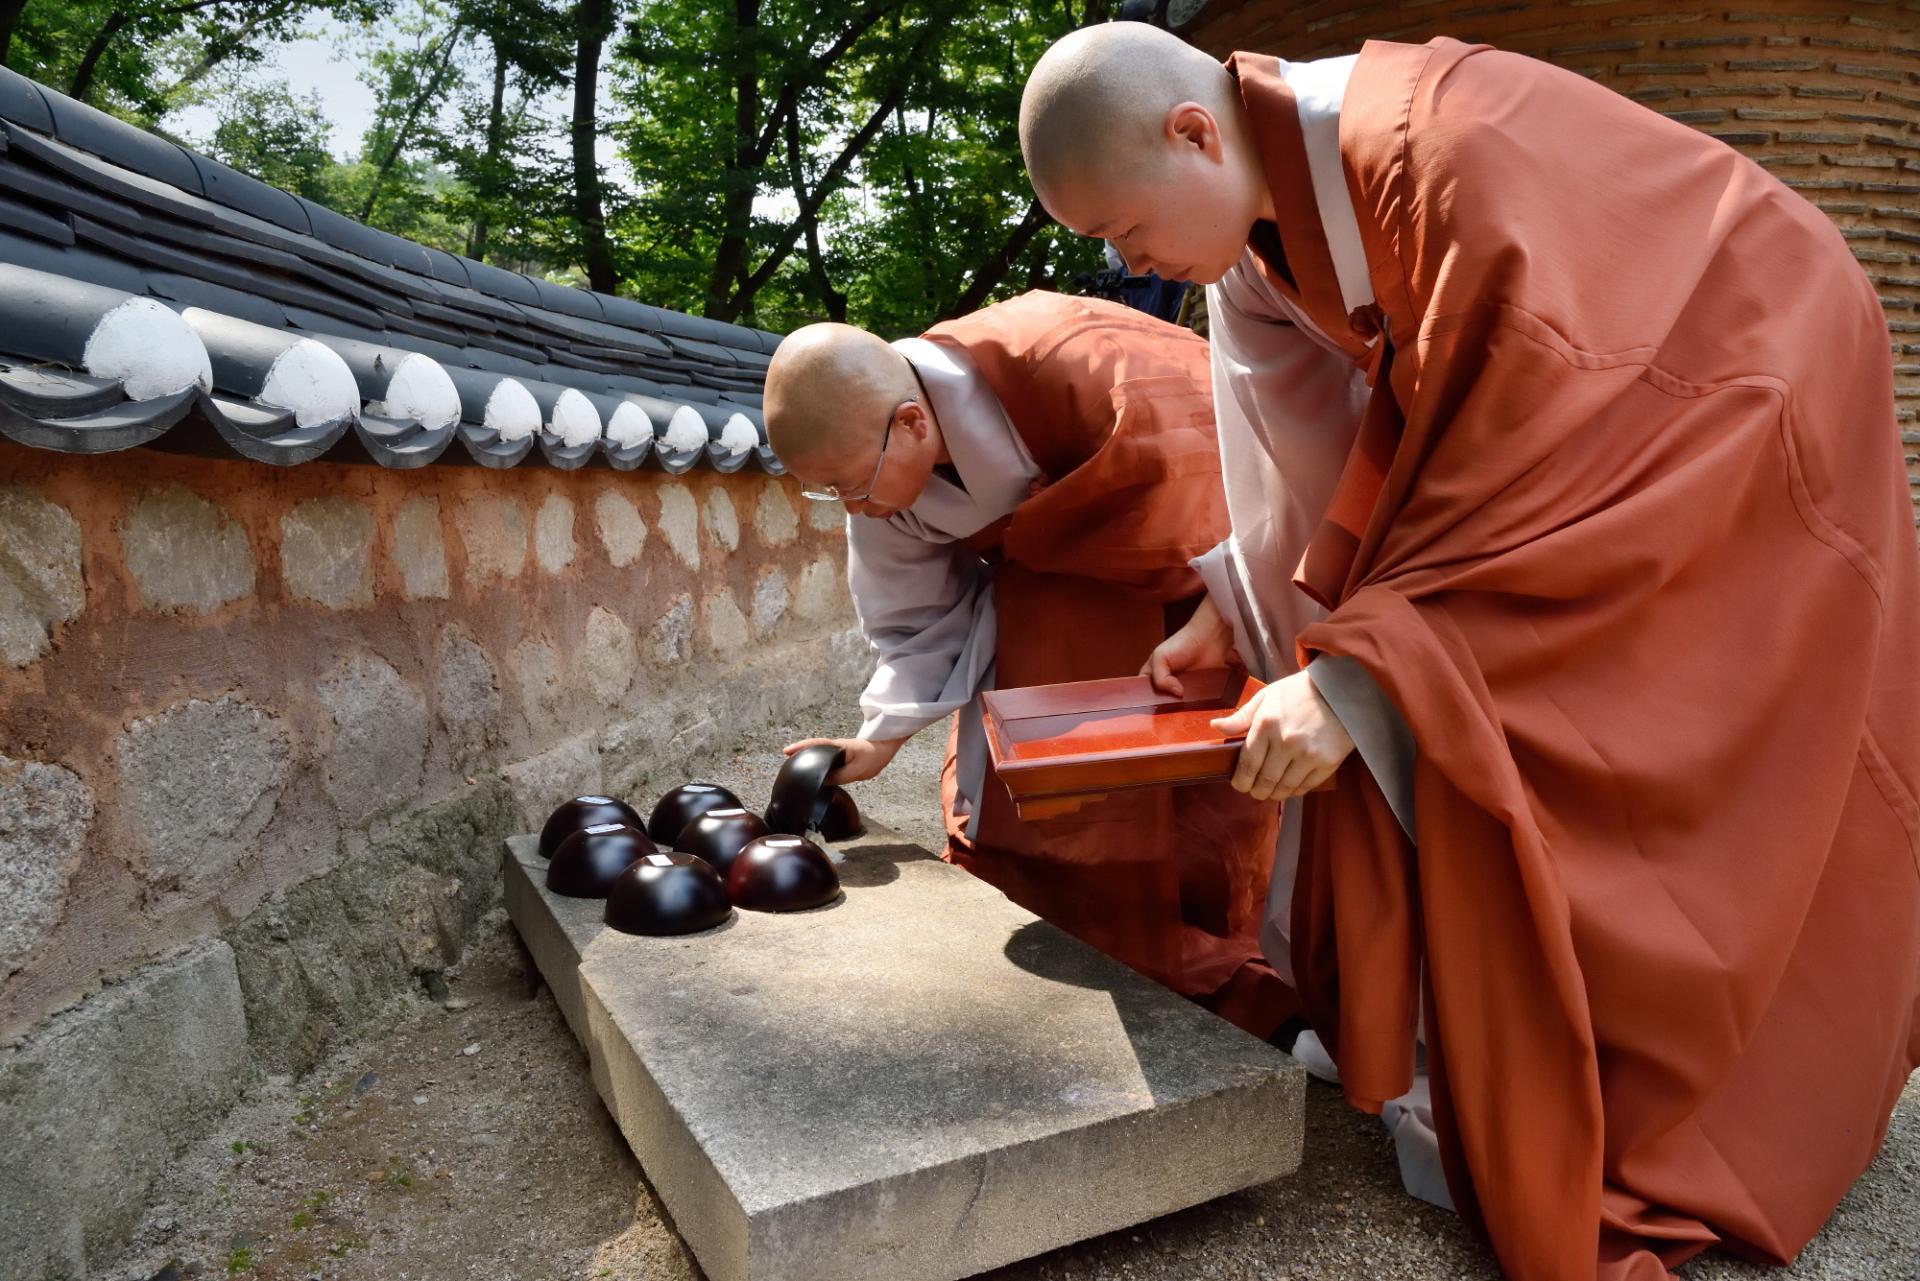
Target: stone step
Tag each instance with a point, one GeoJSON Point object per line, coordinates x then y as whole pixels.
{"type": "Point", "coordinates": [917, 1083]}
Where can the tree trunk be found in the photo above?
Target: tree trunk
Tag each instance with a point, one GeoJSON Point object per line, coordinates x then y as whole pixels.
{"type": "Point", "coordinates": [222, 47]}
{"type": "Point", "coordinates": [730, 261]}
{"type": "Point", "coordinates": [9, 19]}
{"type": "Point", "coordinates": [430, 91]}
{"type": "Point", "coordinates": [923, 51]}
{"type": "Point", "coordinates": [832, 299]}
{"type": "Point", "coordinates": [489, 165]}
{"type": "Point", "coordinates": [82, 83]}
{"type": "Point", "coordinates": [594, 20]}
{"type": "Point", "coordinates": [994, 270]}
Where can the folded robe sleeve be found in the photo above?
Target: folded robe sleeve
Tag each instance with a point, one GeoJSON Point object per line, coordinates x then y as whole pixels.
{"type": "Point", "coordinates": [927, 609]}
{"type": "Point", "coordinates": [1287, 404]}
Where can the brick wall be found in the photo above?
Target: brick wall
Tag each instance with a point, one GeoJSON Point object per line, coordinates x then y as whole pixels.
{"type": "Point", "coordinates": [1824, 93]}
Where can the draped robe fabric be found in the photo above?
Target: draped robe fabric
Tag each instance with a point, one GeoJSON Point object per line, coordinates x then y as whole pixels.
{"type": "Point", "coordinates": [1623, 536]}
{"type": "Point", "coordinates": [1082, 434]}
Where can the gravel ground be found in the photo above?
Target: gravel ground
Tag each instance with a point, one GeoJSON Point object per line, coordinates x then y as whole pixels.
{"type": "Point", "coordinates": [465, 1140]}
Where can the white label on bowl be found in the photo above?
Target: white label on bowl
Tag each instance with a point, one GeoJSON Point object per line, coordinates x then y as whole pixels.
{"type": "Point", "coordinates": [699, 787]}
{"type": "Point", "coordinates": [735, 813]}
{"type": "Point", "coordinates": [659, 860]}
{"type": "Point", "coordinates": [785, 842]}
{"type": "Point", "coordinates": [598, 828]}
{"type": "Point", "coordinates": [597, 800]}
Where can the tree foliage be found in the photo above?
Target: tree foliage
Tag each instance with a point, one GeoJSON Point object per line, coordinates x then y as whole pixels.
{"type": "Point", "coordinates": [756, 160]}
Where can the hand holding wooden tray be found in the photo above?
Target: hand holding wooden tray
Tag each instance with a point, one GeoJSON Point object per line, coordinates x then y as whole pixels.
{"type": "Point", "coordinates": [1059, 747]}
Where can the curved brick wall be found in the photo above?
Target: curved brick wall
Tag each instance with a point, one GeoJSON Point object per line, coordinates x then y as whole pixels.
{"type": "Point", "coordinates": [1825, 93]}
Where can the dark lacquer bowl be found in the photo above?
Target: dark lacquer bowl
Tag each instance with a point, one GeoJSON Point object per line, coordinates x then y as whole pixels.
{"type": "Point", "coordinates": [684, 804]}
{"type": "Point", "coordinates": [581, 813]}
{"type": "Point", "coordinates": [667, 894]}
{"type": "Point", "coordinates": [588, 862]}
{"type": "Point", "coordinates": [718, 836]}
{"type": "Point", "coordinates": [803, 801]}
{"type": "Point", "coordinates": [782, 874]}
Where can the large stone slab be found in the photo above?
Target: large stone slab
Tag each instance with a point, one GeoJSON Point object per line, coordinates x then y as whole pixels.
{"type": "Point", "coordinates": [917, 1083]}
{"type": "Point", "coordinates": [99, 1099]}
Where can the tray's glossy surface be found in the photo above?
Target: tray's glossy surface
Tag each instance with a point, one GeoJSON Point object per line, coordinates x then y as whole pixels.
{"type": "Point", "coordinates": [1057, 747]}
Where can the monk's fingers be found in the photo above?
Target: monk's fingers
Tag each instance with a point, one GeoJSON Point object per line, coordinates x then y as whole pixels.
{"type": "Point", "coordinates": [1159, 669]}
{"type": "Point", "coordinates": [1247, 773]}
{"type": "Point", "coordinates": [1279, 776]}
{"type": "Point", "coordinates": [1277, 760]}
{"type": "Point", "coordinates": [1305, 774]}
{"type": "Point", "coordinates": [1319, 778]}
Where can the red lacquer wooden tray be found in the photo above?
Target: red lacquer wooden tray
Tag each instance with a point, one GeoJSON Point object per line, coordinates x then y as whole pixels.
{"type": "Point", "coordinates": [1058, 747]}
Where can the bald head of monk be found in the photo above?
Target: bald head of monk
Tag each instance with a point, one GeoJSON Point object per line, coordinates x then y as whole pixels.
{"type": "Point", "coordinates": [1133, 135]}
{"type": "Point", "coordinates": [846, 414]}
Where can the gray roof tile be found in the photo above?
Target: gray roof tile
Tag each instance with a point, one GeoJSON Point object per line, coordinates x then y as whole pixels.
{"type": "Point", "coordinates": [111, 214]}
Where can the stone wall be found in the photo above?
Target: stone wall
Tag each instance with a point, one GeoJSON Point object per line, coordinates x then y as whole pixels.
{"type": "Point", "coordinates": [261, 731]}
{"type": "Point", "coordinates": [1825, 93]}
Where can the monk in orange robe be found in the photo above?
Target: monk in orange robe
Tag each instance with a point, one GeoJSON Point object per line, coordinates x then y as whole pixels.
{"type": "Point", "coordinates": [1608, 601]}
{"type": "Point", "coordinates": [1027, 485]}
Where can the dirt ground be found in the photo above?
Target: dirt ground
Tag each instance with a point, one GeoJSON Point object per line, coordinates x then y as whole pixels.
{"type": "Point", "coordinates": [463, 1139]}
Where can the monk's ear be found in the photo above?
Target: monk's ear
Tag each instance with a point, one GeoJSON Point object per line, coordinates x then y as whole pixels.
{"type": "Point", "coordinates": [912, 419]}
{"type": "Point", "coordinates": [1188, 124]}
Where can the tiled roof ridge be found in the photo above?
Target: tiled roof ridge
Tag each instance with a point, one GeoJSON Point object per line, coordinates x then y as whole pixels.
{"type": "Point", "coordinates": [400, 350]}
{"type": "Point", "coordinates": [28, 104]}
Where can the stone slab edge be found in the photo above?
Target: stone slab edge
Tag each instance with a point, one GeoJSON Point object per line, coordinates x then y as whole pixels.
{"type": "Point", "coordinates": [1124, 1169]}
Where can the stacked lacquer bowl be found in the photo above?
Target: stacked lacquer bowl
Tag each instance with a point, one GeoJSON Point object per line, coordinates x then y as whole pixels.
{"type": "Point", "coordinates": [701, 853]}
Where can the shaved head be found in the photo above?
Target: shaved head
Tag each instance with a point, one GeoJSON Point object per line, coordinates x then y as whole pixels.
{"type": "Point", "coordinates": [829, 391]}
{"type": "Point", "coordinates": [1133, 135]}
{"type": "Point", "coordinates": [1101, 95]}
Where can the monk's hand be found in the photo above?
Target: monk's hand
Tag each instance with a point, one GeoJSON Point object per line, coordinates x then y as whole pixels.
{"type": "Point", "coordinates": [1294, 741]}
{"type": "Point", "coordinates": [1206, 641]}
{"type": "Point", "coordinates": [866, 757]}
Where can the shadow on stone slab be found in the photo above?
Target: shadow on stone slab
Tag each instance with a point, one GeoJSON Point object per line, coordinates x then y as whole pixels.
{"type": "Point", "coordinates": [870, 865]}
{"type": "Point", "coordinates": [1139, 1002]}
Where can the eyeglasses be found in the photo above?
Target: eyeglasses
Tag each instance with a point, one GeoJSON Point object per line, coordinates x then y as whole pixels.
{"type": "Point", "coordinates": [832, 494]}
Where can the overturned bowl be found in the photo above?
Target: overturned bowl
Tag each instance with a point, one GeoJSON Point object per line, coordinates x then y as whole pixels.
{"type": "Point", "coordinates": [718, 836]}
{"type": "Point", "coordinates": [803, 801]}
{"type": "Point", "coordinates": [581, 813]}
{"type": "Point", "coordinates": [782, 874]}
{"type": "Point", "coordinates": [588, 862]}
{"type": "Point", "coordinates": [684, 804]}
{"type": "Point", "coordinates": [835, 816]}
{"type": "Point", "coordinates": [667, 894]}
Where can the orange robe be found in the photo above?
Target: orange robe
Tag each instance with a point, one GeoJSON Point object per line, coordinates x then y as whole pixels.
{"type": "Point", "coordinates": [1090, 574]}
{"type": "Point", "coordinates": [1625, 538]}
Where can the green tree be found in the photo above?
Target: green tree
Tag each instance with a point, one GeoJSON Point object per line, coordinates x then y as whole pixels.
{"type": "Point", "coordinates": [845, 158]}
{"type": "Point", "coordinates": [501, 154]}
{"type": "Point", "coordinates": [280, 138]}
{"type": "Point", "coordinates": [116, 53]}
{"type": "Point", "coordinates": [776, 161]}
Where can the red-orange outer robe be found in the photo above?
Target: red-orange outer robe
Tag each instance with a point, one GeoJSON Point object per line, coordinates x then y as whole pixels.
{"type": "Point", "coordinates": [1626, 539]}
{"type": "Point", "coordinates": [1091, 574]}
